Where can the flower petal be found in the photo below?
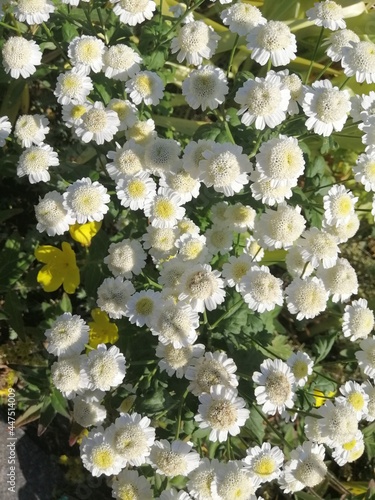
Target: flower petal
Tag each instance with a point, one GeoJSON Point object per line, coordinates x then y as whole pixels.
{"type": "Point", "coordinates": [47, 253]}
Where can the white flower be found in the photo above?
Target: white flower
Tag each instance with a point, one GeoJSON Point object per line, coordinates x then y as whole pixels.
{"type": "Point", "coordinates": [235, 270]}
{"type": "Point", "coordinates": [368, 105]}
{"type": "Point", "coordinates": [33, 11]}
{"type": "Point", "coordinates": [126, 112]}
{"type": "Point", "coordinates": [240, 217]}
{"type": "Point", "coordinates": [355, 396]}
{"type": "Point", "coordinates": [350, 451]}
{"type": "Point", "coordinates": [234, 480]}
{"type": "Point", "coordinates": [182, 183]}
{"type": "Point", "coordinates": [165, 209]}
{"type": "Point", "coordinates": [340, 280]}
{"type": "Point", "coordinates": [368, 127]}
{"type": "Point", "coordinates": [295, 263]}
{"type": "Point", "coordinates": [142, 132]}
{"type": "Point", "coordinates": [67, 336]}
{"type": "Point", "coordinates": [72, 113]}
{"type": "Point", "coordinates": [205, 87]}
{"type": "Point", "coordinates": [253, 249]}
{"type": "Point", "coordinates": [364, 170]}
{"type": "Point", "coordinates": [279, 228]}
{"type": "Point", "coordinates": [327, 14]}
{"type": "Point", "coordinates": [339, 205]}
{"type": "Point", "coordinates": [359, 60]}
{"type": "Point", "coordinates": [272, 40]}
{"type": "Point", "coordinates": [72, 87]}
{"type": "Point", "coordinates": [192, 247]}
{"type": "Point", "coordinates": [201, 478]}
{"type": "Point", "coordinates": [162, 156]}
{"type": "Point", "coordinates": [125, 258]}
{"type": "Point", "coordinates": [264, 462]}
{"type": "Point", "coordinates": [338, 41]}
{"type": "Point", "coordinates": [301, 365]}
{"type": "Point", "coordinates": [134, 12]}
{"type": "Point", "coordinates": [173, 459]}
{"type": "Point", "coordinates": [127, 160]}
{"type": "Point", "coordinates": [142, 307]}
{"type": "Point", "coordinates": [35, 161]}
{"type": "Point", "coordinates": [202, 287]}
{"type": "Point", "coordinates": [262, 189]}
{"type": "Point", "coordinates": [219, 239]}
{"type": "Point", "coordinates": [135, 191]}
{"type": "Point", "coordinates": [5, 129]}
{"type": "Point", "coordinates": [179, 10]}
{"type": "Point", "coordinates": [69, 377]}
{"type": "Point", "coordinates": [318, 246]}
{"type": "Point", "coordinates": [121, 62]}
{"type": "Point", "coordinates": [130, 485]}
{"type": "Point", "coordinates": [176, 324]}
{"type": "Point", "coordinates": [86, 200]}
{"type": "Point", "coordinates": [113, 295]}
{"type": "Point", "coordinates": [145, 86]}
{"type": "Point", "coordinates": [326, 107]}
{"type": "Point", "coordinates": [98, 124]}
{"type": "Point", "coordinates": [160, 241]}
{"type": "Point", "coordinates": [132, 437]}
{"type": "Point", "coordinates": [366, 356]}
{"type": "Point", "coordinates": [294, 83]}
{"type": "Point", "coordinates": [20, 56]}
{"type": "Point", "coordinates": [176, 360]}
{"type": "Point", "coordinates": [211, 369]}
{"type": "Point", "coordinates": [312, 429]}
{"type": "Point", "coordinates": [51, 215]}
{"type": "Point", "coordinates": [86, 54]}
{"type": "Point", "coordinates": [264, 101]}
{"type": "Point", "coordinates": [196, 41]}
{"type": "Point", "coordinates": [281, 161]}
{"type": "Point", "coordinates": [345, 231]}
{"type": "Point", "coordinates": [193, 154]}
{"type": "Point", "coordinates": [276, 386]}
{"type": "Point", "coordinates": [306, 297]}
{"type": "Point", "coordinates": [171, 272]}
{"type": "Point", "coordinates": [222, 412]}
{"type": "Point", "coordinates": [261, 290]}
{"type": "Point", "coordinates": [339, 422]}
{"type": "Point", "coordinates": [105, 368]}
{"type": "Point", "coordinates": [358, 320]}
{"type": "Point", "coordinates": [98, 455]}
{"type": "Point", "coordinates": [225, 168]}
{"type": "Point", "coordinates": [242, 17]}
{"type": "Point", "coordinates": [31, 129]}
{"type": "Point", "coordinates": [87, 410]}
{"type": "Point", "coordinates": [370, 391]}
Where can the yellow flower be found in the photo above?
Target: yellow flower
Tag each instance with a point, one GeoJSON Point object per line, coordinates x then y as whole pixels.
{"type": "Point", "coordinates": [102, 331]}
{"type": "Point", "coordinates": [84, 233]}
{"type": "Point", "coordinates": [60, 268]}
{"type": "Point", "coordinates": [320, 397]}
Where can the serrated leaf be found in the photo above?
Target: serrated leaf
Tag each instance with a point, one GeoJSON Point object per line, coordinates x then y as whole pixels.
{"type": "Point", "coordinates": [30, 415]}
{"type": "Point", "coordinates": [59, 403]}
{"type": "Point", "coordinates": [323, 345]}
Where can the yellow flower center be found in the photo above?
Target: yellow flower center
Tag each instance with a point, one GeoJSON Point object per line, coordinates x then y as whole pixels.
{"type": "Point", "coordinates": [164, 209]}
{"type": "Point", "coordinates": [136, 188]}
{"type": "Point", "coordinates": [144, 85]}
{"type": "Point", "coordinates": [350, 445]}
{"type": "Point", "coordinates": [344, 206]}
{"type": "Point", "coordinates": [264, 466]}
{"type": "Point", "coordinates": [144, 306]}
{"type": "Point", "coordinates": [77, 111]}
{"type": "Point", "coordinates": [356, 400]}
{"type": "Point", "coordinates": [102, 458]}
{"type": "Point", "coordinates": [300, 369]}
{"type": "Point", "coordinates": [239, 270]}
{"type": "Point", "coordinates": [128, 492]}
{"type": "Point", "coordinates": [121, 108]}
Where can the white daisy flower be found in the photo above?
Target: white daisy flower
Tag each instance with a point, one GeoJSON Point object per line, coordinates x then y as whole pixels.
{"type": "Point", "coordinates": [358, 320]}
{"type": "Point", "coordinates": [121, 62]}
{"type": "Point", "coordinates": [264, 462]}
{"type": "Point", "coordinates": [72, 87]}
{"type": "Point", "coordinates": [345, 231]}
{"type": "Point", "coordinates": [171, 272]}
{"type": "Point", "coordinates": [165, 209]}
{"type": "Point", "coordinates": [31, 129]}
{"type": "Point", "coordinates": [173, 494]}
{"type": "Point", "coordinates": [35, 162]}
{"type": "Point", "coordinates": [254, 250]}
{"type": "Point", "coordinates": [98, 455]}
{"type": "Point", "coordinates": [281, 161]}
{"type": "Point", "coordinates": [187, 226]}
{"type": "Point", "coordinates": [306, 297]}
{"type": "Point", "coordinates": [192, 248]}
{"type": "Point", "coordinates": [318, 246]}
{"type": "Point", "coordinates": [205, 87]}
{"type": "Point", "coordinates": [219, 239]}
{"type": "Point", "coordinates": [130, 485]}
{"type": "Point", "coordinates": [160, 241]}
{"type": "Point", "coordinates": [113, 295]}
{"type": "Point", "coordinates": [359, 60]}
{"type": "Point", "coordinates": [133, 12]}
{"type": "Point", "coordinates": [279, 228]}
{"type": "Point", "coordinates": [327, 14]}
{"type": "Point", "coordinates": [338, 41]}
{"type": "Point", "coordinates": [127, 160]}
{"type": "Point", "coordinates": [276, 386]}
{"type": "Point", "coordinates": [193, 154]}
{"type": "Point", "coordinates": [131, 437]}
{"type": "Point", "coordinates": [162, 156]}
{"type": "Point", "coordinates": [142, 307]}
{"type": "Point", "coordinates": [142, 132]}
{"type": "Point", "coordinates": [126, 112]}
{"type": "Point", "coordinates": [218, 211]}
{"type": "Point", "coordinates": [20, 56]}
{"type": "Point", "coordinates": [67, 336]}
{"type": "Point", "coordinates": [69, 376]}
{"type": "Point", "coordinates": [173, 459]}
{"type": "Point", "coordinates": [202, 287]}
{"type": "Point", "coordinates": [272, 40]}
{"type": "Point", "coordinates": [136, 191]}
{"type": "Point", "coordinates": [221, 411]}
{"type": "Point", "coordinates": [145, 86]}
{"type": "Point", "coordinates": [87, 410]}
{"type": "Point", "coordinates": [368, 105]}
{"type": "Point", "coordinates": [105, 368]}
{"type": "Point", "coordinates": [196, 41]}
{"type": "Point", "coordinates": [369, 389]}
{"type": "Point", "coordinates": [234, 480]}
{"type": "Point", "coordinates": [339, 204]}
{"type": "Point", "coordinates": [201, 478]}
{"type": "Point", "coordinates": [211, 369]}
{"type": "Point", "coordinates": [350, 451]}
{"type": "Point", "coordinates": [180, 181]}
{"type": "Point", "coordinates": [86, 54]}
{"type": "Point", "coordinates": [51, 215]}
{"type": "Point", "coordinates": [33, 11]}
{"type": "Point", "coordinates": [264, 101]}
{"type": "Point", "coordinates": [338, 423]}
{"type": "Point", "coordinates": [301, 365]}
{"type": "Point", "coordinates": [262, 189]}
{"type": "Point", "coordinates": [261, 290]}
{"type": "Point", "coordinates": [364, 170]}
{"type": "Point", "coordinates": [5, 129]}
{"type": "Point", "coordinates": [294, 83]}
{"type": "Point", "coordinates": [340, 280]}
{"type": "Point", "coordinates": [354, 394]}
{"type": "Point", "coordinates": [86, 201]}
{"type": "Point", "coordinates": [72, 113]}
{"type": "Point", "coordinates": [242, 17]}
{"type": "Point", "coordinates": [235, 270]}
{"type": "Point", "coordinates": [179, 10]}
{"type": "Point", "coordinates": [98, 124]}
{"type": "Point", "coordinates": [326, 107]}
{"type": "Point", "coordinates": [312, 429]}
{"type": "Point", "coordinates": [125, 258]}
{"type": "Point", "coordinates": [225, 168]}
{"type": "Point", "coordinates": [366, 356]}
{"type": "Point", "coordinates": [176, 360]}
{"type": "Point", "coordinates": [240, 217]}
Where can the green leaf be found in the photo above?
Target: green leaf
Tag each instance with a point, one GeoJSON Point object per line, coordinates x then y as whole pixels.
{"type": "Point", "coordinates": [209, 132]}
{"type": "Point", "coordinates": [255, 425]}
{"type": "Point", "coordinates": [47, 414]}
{"type": "Point", "coordinates": [59, 403]}
{"type": "Point", "coordinates": [14, 309]}
{"type": "Point", "coordinates": [69, 31]}
{"type": "Point", "coordinates": [323, 345]}
{"type": "Point", "coordinates": [11, 212]}
{"type": "Point", "coordinates": [155, 60]}
{"type": "Point", "coordinates": [65, 304]}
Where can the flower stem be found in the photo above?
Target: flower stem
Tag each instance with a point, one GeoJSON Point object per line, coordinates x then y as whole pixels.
{"type": "Point", "coordinates": [226, 315]}
{"type": "Point", "coordinates": [344, 82]}
{"type": "Point", "coordinates": [56, 44]}
{"type": "Point", "coordinates": [314, 55]}
{"type": "Point", "coordinates": [234, 48]}
{"type": "Point", "coordinates": [324, 70]}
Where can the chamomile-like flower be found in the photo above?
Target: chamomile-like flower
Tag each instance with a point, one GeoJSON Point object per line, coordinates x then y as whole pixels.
{"type": "Point", "coordinates": [146, 86]}
{"type": "Point", "coordinates": [126, 160]}
{"type": "Point", "coordinates": [306, 297]}
{"type": "Point", "coordinates": [142, 307]}
{"type": "Point", "coordinates": [87, 410]}
{"type": "Point", "coordinates": [219, 239]}
{"type": "Point", "coordinates": [165, 209]}
{"type": "Point", "coordinates": [69, 376]}
{"type": "Point", "coordinates": [240, 217]}
{"type": "Point", "coordinates": [355, 396]}
{"type": "Point", "coordinates": [173, 459]}
{"type": "Point", "coordinates": [358, 320]}
{"type": "Point", "coordinates": [193, 154]}
{"type": "Point", "coordinates": [86, 201]}
{"type": "Point", "coordinates": [20, 56]}
{"type": "Point", "coordinates": [67, 336]}
{"type": "Point", "coordinates": [113, 295]}
{"type": "Point", "coordinates": [350, 451]}
{"type": "Point", "coordinates": [366, 356]}
{"type": "Point", "coordinates": [205, 87]}
{"type": "Point", "coordinates": [136, 191]}
{"type": "Point", "coordinates": [235, 270]}
{"type": "Point", "coordinates": [121, 62]}
{"type": "Point", "coordinates": [98, 455]}
{"type": "Point", "coordinates": [242, 17]}
{"type": "Point", "coordinates": [327, 14]}
{"type": "Point", "coordinates": [264, 462]}
{"type": "Point", "coordinates": [51, 215]}
{"type": "Point", "coordinates": [345, 231]}
{"type": "Point", "coordinates": [126, 112]}
{"type": "Point", "coordinates": [33, 11]}
{"type": "Point", "coordinates": [133, 12]}
{"type": "Point", "coordinates": [180, 181]}
{"type": "Point", "coordinates": [261, 290]}
{"type": "Point", "coordinates": [339, 205]}
{"type": "Point", "coordinates": [272, 40]}
{"type": "Point", "coordinates": [31, 129]}
{"type": "Point", "coordinates": [72, 113]}
{"type": "Point", "coordinates": [98, 124]}
{"type": "Point", "coordinates": [262, 189]}
{"type": "Point", "coordinates": [339, 422]}
{"type": "Point", "coordinates": [160, 241]}
{"type": "Point", "coordinates": [176, 360]}
{"type": "Point", "coordinates": [234, 480]}
{"type": "Point", "coordinates": [301, 365]}
{"type": "Point", "coordinates": [201, 478]}
{"type": "Point", "coordinates": [338, 41]}
{"type": "Point", "coordinates": [130, 485]}
{"type": "Point", "coordinates": [72, 87]}
{"type": "Point", "coordinates": [125, 258]}
{"type": "Point", "coordinates": [35, 162]}
{"type": "Point", "coordinates": [142, 132]}
{"type": "Point", "coordinates": [5, 129]}
{"type": "Point", "coordinates": [340, 280]}
{"type": "Point", "coordinates": [359, 60]}
{"type": "Point", "coordinates": [318, 246]}
{"type": "Point", "coordinates": [105, 368]}
{"type": "Point", "coordinates": [192, 247]}
{"type": "Point", "coordinates": [179, 10]}
{"type": "Point", "coordinates": [86, 54]}
{"type": "Point", "coordinates": [162, 156]}
{"type": "Point", "coordinates": [195, 41]}
{"type": "Point", "coordinates": [364, 170]}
